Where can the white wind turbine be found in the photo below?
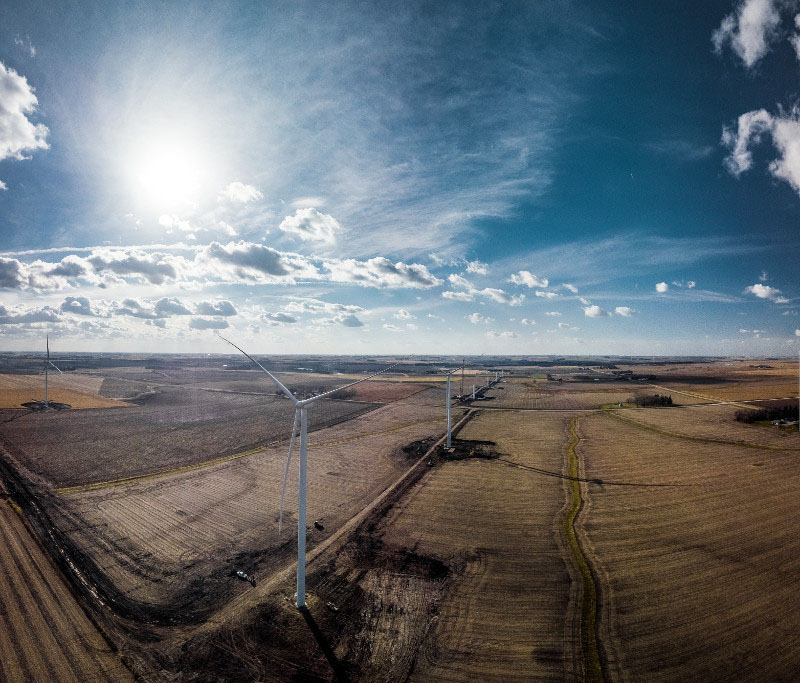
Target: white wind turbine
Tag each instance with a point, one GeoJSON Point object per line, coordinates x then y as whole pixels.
{"type": "Point", "coordinates": [47, 365]}
{"type": "Point", "coordinates": [300, 417]}
{"type": "Point", "coordinates": [449, 428]}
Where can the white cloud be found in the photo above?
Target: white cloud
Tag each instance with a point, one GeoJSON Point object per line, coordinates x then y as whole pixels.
{"type": "Point", "coordinates": [766, 292]}
{"type": "Point", "coordinates": [218, 307]}
{"type": "Point", "coordinates": [403, 314]}
{"type": "Point", "coordinates": [763, 277]}
{"type": "Point", "coordinates": [553, 313]}
{"type": "Point", "coordinates": [381, 272]}
{"type": "Point", "coordinates": [662, 287]}
{"type": "Point", "coordinates": [594, 312]}
{"type": "Point", "coordinates": [459, 281]}
{"type": "Point", "coordinates": [347, 320]}
{"type": "Point", "coordinates": [525, 277]}
{"type": "Point", "coordinates": [392, 328]}
{"type": "Point", "coordinates": [571, 288]}
{"type": "Point", "coordinates": [17, 134]}
{"type": "Point", "coordinates": [527, 321]}
{"type": "Point", "coordinates": [3, 186]}
{"type": "Point", "coordinates": [546, 295]}
{"type": "Point", "coordinates": [689, 284]}
{"type": "Point", "coordinates": [749, 30]}
{"type": "Point", "coordinates": [517, 300]}
{"type": "Point", "coordinates": [476, 318]}
{"type": "Point", "coordinates": [458, 296]}
{"type": "Point", "coordinates": [584, 301]}
{"type": "Point", "coordinates": [477, 267]}
{"type": "Point", "coordinates": [624, 311]}
{"type": "Point", "coordinates": [241, 192]}
{"type": "Point", "coordinates": [501, 335]}
{"type": "Point", "coordinates": [21, 314]}
{"type": "Point", "coordinates": [797, 333]}
{"type": "Point", "coordinates": [497, 295]}
{"type": "Point", "coordinates": [315, 306]}
{"type": "Point", "coordinates": [784, 130]}
{"type": "Point", "coordinates": [208, 324]}
{"type": "Point", "coordinates": [310, 224]}
{"type": "Point", "coordinates": [278, 318]}
{"type": "Point", "coordinates": [26, 44]}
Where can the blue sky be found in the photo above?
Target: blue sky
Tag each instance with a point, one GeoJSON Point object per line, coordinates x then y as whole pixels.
{"type": "Point", "coordinates": [430, 177]}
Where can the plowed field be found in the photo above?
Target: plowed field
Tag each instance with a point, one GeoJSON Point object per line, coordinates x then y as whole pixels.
{"type": "Point", "coordinates": [79, 391]}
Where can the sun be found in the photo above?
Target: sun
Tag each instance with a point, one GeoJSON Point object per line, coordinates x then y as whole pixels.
{"type": "Point", "coordinates": [167, 173]}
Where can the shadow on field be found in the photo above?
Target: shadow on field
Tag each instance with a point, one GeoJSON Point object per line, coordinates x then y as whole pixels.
{"type": "Point", "coordinates": [599, 482]}
{"type": "Point", "coordinates": [339, 674]}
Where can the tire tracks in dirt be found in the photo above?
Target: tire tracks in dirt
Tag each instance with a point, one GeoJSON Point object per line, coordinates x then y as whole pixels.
{"type": "Point", "coordinates": [591, 660]}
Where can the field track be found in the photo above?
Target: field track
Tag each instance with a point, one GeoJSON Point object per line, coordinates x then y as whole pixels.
{"type": "Point", "coordinates": [44, 633]}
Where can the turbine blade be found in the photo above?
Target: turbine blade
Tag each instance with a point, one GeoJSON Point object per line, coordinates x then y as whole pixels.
{"type": "Point", "coordinates": [269, 374]}
{"type": "Point", "coordinates": [47, 341]}
{"type": "Point", "coordinates": [345, 386]}
{"type": "Point", "coordinates": [288, 463]}
{"type": "Point", "coordinates": [56, 367]}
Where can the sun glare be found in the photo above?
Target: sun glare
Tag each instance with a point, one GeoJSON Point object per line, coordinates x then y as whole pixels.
{"type": "Point", "coordinates": [167, 175]}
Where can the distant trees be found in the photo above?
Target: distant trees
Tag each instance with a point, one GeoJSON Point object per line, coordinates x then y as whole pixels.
{"type": "Point", "coordinates": [649, 401]}
{"type": "Point", "coordinates": [786, 412]}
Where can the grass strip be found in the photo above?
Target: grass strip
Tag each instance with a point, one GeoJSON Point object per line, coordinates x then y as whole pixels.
{"type": "Point", "coordinates": [590, 659]}
{"type": "Point", "coordinates": [686, 437]}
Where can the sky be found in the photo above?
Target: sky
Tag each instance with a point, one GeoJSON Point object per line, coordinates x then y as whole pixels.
{"type": "Point", "coordinates": [378, 178]}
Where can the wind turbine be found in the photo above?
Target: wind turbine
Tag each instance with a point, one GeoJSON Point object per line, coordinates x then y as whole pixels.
{"type": "Point", "coordinates": [449, 429]}
{"type": "Point", "coordinates": [301, 419]}
{"type": "Point", "coordinates": [47, 365]}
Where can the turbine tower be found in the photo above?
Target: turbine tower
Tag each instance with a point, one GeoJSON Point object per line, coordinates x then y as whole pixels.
{"type": "Point", "coordinates": [301, 420]}
{"type": "Point", "coordinates": [449, 425]}
{"type": "Point", "coordinates": [47, 365]}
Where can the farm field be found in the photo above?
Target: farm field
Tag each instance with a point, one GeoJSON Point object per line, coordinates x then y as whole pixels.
{"type": "Point", "coordinates": [169, 544]}
{"type": "Point", "coordinates": [175, 427]}
{"type": "Point", "coordinates": [46, 636]}
{"type": "Point", "coordinates": [697, 553]}
{"type": "Point", "coordinates": [564, 538]}
{"type": "Point", "coordinates": [79, 391]}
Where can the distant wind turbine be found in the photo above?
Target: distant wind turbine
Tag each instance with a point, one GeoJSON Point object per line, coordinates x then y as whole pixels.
{"type": "Point", "coordinates": [300, 418]}
{"type": "Point", "coordinates": [47, 365]}
{"type": "Point", "coordinates": [449, 421]}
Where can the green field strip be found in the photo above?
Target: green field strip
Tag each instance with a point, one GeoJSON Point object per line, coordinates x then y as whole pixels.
{"type": "Point", "coordinates": [686, 437]}
{"type": "Point", "coordinates": [590, 651]}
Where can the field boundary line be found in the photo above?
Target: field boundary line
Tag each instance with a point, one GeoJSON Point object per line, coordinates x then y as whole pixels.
{"type": "Point", "coordinates": [590, 652]}
{"type": "Point", "coordinates": [687, 437]}
{"type": "Point", "coordinates": [707, 398]}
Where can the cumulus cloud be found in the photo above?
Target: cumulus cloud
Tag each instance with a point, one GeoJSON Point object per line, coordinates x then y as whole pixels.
{"type": "Point", "coordinates": [751, 128]}
{"type": "Point", "coordinates": [524, 277]}
{"type": "Point", "coordinates": [347, 320]}
{"type": "Point", "coordinates": [624, 311]}
{"type": "Point", "coordinates": [392, 328]}
{"type": "Point", "coordinates": [169, 306]}
{"type": "Point", "coordinates": [208, 323]}
{"type": "Point", "coordinates": [11, 274]}
{"type": "Point", "coordinates": [571, 288]}
{"type": "Point", "coordinates": [501, 335]}
{"type": "Point", "coordinates": [797, 333]}
{"type": "Point", "coordinates": [80, 305]}
{"type": "Point", "coordinates": [403, 314]}
{"type": "Point", "coordinates": [553, 313]}
{"type": "Point", "coordinates": [310, 224]}
{"type": "Point", "coordinates": [3, 186]}
{"type": "Point", "coordinates": [497, 295]}
{"type": "Point", "coordinates": [766, 292]}
{"type": "Point", "coordinates": [154, 267]}
{"type": "Point", "coordinates": [594, 312]}
{"type": "Point", "coordinates": [477, 267]}
{"type": "Point", "coordinates": [476, 318]}
{"type": "Point", "coordinates": [250, 256]}
{"type": "Point", "coordinates": [458, 296]}
{"type": "Point", "coordinates": [17, 133]}
{"type": "Point", "coordinates": [749, 30]}
{"type": "Point", "coordinates": [546, 295]}
{"type": "Point", "coordinates": [527, 321]}
{"type": "Point", "coordinates": [459, 281]}
{"type": "Point", "coordinates": [381, 272]}
{"type": "Point", "coordinates": [662, 287]}
{"type": "Point", "coordinates": [219, 307]}
{"type": "Point", "coordinates": [315, 306]}
{"type": "Point", "coordinates": [22, 314]}
{"type": "Point", "coordinates": [135, 309]}
{"type": "Point", "coordinates": [278, 318]}
{"type": "Point", "coordinates": [241, 192]}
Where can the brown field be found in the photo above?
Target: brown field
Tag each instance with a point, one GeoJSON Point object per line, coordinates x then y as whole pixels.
{"type": "Point", "coordinates": [175, 427]}
{"type": "Point", "coordinates": [696, 552]}
{"type": "Point", "coordinates": [592, 543]}
{"type": "Point", "coordinates": [46, 636]}
{"type": "Point", "coordinates": [169, 544]}
{"type": "Point", "coordinates": [79, 391]}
